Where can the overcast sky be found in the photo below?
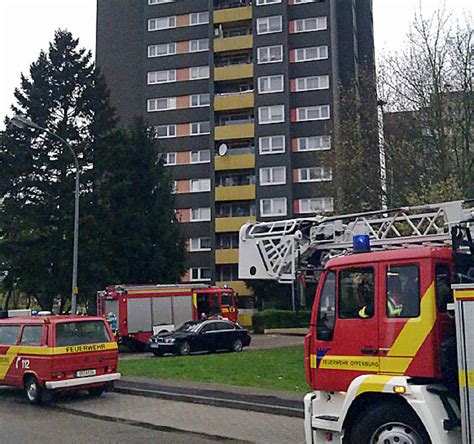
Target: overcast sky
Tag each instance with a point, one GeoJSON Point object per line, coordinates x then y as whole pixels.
{"type": "Point", "coordinates": [27, 26]}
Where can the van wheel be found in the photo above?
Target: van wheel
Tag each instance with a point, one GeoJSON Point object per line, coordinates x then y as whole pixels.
{"type": "Point", "coordinates": [184, 348]}
{"type": "Point", "coordinates": [237, 346]}
{"type": "Point", "coordinates": [388, 423]}
{"type": "Point", "coordinates": [32, 390]}
{"type": "Point", "coordinates": [96, 391]}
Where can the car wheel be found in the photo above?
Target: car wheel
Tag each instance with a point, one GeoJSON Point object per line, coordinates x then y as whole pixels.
{"type": "Point", "coordinates": [157, 352]}
{"type": "Point", "coordinates": [237, 346]}
{"type": "Point", "coordinates": [32, 390]}
{"type": "Point", "coordinates": [184, 348]}
{"type": "Point", "coordinates": [388, 423]}
{"type": "Point", "coordinates": [96, 391]}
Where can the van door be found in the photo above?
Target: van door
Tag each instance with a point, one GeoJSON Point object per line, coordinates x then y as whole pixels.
{"type": "Point", "coordinates": [346, 343]}
{"type": "Point", "coordinates": [8, 338]}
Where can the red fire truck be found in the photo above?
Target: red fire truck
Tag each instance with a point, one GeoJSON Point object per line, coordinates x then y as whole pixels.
{"type": "Point", "coordinates": [145, 310]}
{"type": "Point", "coordinates": [45, 354]}
{"type": "Point", "coordinates": [381, 354]}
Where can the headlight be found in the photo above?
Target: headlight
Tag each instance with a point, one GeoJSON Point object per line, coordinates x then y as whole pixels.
{"type": "Point", "coordinates": [169, 340]}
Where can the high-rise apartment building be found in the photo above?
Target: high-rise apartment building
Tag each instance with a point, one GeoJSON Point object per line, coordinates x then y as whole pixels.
{"type": "Point", "coordinates": [244, 98]}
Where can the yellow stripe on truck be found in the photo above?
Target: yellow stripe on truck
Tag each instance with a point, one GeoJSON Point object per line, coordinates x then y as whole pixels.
{"type": "Point", "coordinates": [466, 378]}
{"type": "Point", "coordinates": [373, 383]}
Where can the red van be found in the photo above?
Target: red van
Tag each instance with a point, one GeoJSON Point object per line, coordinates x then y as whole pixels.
{"type": "Point", "coordinates": [46, 354]}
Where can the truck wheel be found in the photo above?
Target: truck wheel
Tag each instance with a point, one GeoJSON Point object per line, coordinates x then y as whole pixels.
{"type": "Point", "coordinates": [237, 346]}
{"type": "Point", "coordinates": [32, 390]}
{"type": "Point", "coordinates": [96, 391]}
{"type": "Point", "coordinates": [388, 423]}
{"type": "Point", "coordinates": [184, 348]}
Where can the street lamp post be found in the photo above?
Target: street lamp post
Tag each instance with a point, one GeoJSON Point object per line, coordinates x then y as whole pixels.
{"type": "Point", "coordinates": [22, 122]}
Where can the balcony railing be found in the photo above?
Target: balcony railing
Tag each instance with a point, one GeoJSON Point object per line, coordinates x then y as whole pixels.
{"type": "Point", "coordinates": [231, 4]}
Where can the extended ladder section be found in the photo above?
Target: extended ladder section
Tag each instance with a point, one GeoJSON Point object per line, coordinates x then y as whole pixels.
{"type": "Point", "coordinates": [277, 250]}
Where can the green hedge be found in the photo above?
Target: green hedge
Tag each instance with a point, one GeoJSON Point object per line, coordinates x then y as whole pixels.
{"type": "Point", "coordinates": [280, 319]}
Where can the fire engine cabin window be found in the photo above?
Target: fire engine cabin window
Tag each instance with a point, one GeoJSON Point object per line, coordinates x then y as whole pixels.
{"type": "Point", "coordinates": [9, 334]}
{"type": "Point", "coordinates": [32, 335]}
{"type": "Point", "coordinates": [80, 333]}
{"type": "Point", "coordinates": [215, 308]}
{"type": "Point", "coordinates": [327, 309]}
{"type": "Point", "coordinates": [226, 299]}
{"type": "Point", "coordinates": [356, 293]}
{"type": "Point", "coordinates": [444, 294]}
{"type": "Point", "coordinates": [403, 291]}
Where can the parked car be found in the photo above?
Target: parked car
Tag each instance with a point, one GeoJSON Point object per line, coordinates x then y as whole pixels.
{"type": "Point", "coordinates": [210, 335]}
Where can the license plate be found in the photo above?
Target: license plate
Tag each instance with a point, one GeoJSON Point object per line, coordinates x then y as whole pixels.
{"type": "Point", "coordinates": [154, 345]}
{"type": "Point", "coordinates": [85, 373]}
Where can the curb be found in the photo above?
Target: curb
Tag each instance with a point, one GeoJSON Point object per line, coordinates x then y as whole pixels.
{"type": "Point", "coordinates": [273, 409]}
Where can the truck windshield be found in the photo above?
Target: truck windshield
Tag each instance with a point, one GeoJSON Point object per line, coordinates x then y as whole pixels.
{"type": "Point", "coordinates": [79, 333]}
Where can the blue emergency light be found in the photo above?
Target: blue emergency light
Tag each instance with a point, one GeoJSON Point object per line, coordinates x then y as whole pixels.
{"type": "Point", "coordinates": [361, 243]}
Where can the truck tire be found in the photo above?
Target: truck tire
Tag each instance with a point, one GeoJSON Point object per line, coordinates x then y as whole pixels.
{"type": "Point", "coordinates": [387, 423]}
{"type": "Point", "coordinates": [184, 348]}
{"type": "Point", "coordinates": [96, 391]}
{"type": "Point", "coordinates": [33, 391]}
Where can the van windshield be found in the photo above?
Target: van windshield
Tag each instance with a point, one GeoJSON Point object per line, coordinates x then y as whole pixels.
{"type": "Point", "coordinates": [79, 333]}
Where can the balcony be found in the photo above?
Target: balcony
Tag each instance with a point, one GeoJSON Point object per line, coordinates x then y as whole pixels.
{"type": "Point", "coordinates": [242, 192]}
{"type": "Point", "coordinates": [229, 132]}
{"type": "Point", "coordinates": [232, 224]}
{"type": "Point", "coordinates": [227, 256]}
{"type": "Point", "coordinates": [233, 43]}
{"type": "Point", "coordinates": [234, 14]}
{"type": "Point", "coordinates": [234, 72]}
{"type": "Point", "coordinates": [226, 102]}
{"type": "Point", "coordinates": [241, 162]}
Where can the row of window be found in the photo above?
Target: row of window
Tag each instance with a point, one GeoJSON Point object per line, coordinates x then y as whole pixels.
{"type": "Point", "coordinates": [193, 19]}
{"type": "Point", "coordinates": [181, 102]}
{"type": "Point", "coordinates": [173, 48]}
{"type": "Point", "coordinates": [259, 2]}
{"type": "Point", "coordinates": [273, 24]}
{"type": "Point", "coordinates": [178, 75]}
{"type": "Point", "coordinates": [276, 114]}
{"type": "Point", "coordinates": [275, 84]}
{"type": "Point", "coordinates": [186, 157]}
{"type": "Point", "coordinates": [182, 130]}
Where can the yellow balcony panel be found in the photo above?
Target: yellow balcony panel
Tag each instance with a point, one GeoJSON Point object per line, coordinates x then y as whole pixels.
{"type": "Point", "coordinates": [234, 101]}
{"type": "Point", "coordinates": [233, 43]}
{"type": "Point", "coordinates": [233, 14]}
{"type": "Point", "coordinates": [243, 192]}
{"type": "Point", "coordinates": [234, 72]}
{"type": "Point", "coordinates": [230, 132]}
{"type": "Point", "coordinates": [244, 161]}
{"type": "Point", "coordinates": [227, 256]}
{"type": "Point", "coordinates": [232, 224]}
{"type": "Point", "coordinates": [238, 286]}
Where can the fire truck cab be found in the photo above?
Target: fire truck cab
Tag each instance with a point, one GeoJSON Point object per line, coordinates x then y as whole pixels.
{"type": "Point", "coordinates": [46, 354]}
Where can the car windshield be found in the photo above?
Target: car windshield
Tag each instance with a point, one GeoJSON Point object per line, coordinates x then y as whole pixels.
{"type": "Point", "coordinates": [188, 326]}
{"type": "Point", "coordinates": [80, 333]}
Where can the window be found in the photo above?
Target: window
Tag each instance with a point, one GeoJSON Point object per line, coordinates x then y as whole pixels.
{"type": "Point", "coordinates": [235, 209]}
{"type": "Point", "coordinates": [169, 159]}
{"type": "Point", "coordinates": [200, 128]}
{"type": "Point", "coordinates": [299, 2]}
{"type": "Point", "coordinates": [311, 53]}
{"type": "Point", "coordinates": [32, 335]}
{"type": "Point", "coordinates": [200, 274]}
{"type": "Point", "coordinates": [270, 54]}
{"type": "Point", "coordinates": [200, 185]}
{"type": "Point", "coordinates": [200, 244]}
{"type": "Point", "coordinates": [271, 114]}
{"type": "Point", "coordinates": [227, 241]}
{"type": "Point", "coordinates": [311, 24]}
{"type": "Point", "coordinates": [9, 334]}
{"type": "Point", "coordinates": [267, 25]}
{"type": "Point", "coordinates": [270, 84]}
{"type": "Point", "coordinates": [200, 214]}
{"type": "Point", "coordinates": [159, 2]}
{"type": "Point", "coordinates": [81, 333]}
{"type": "Point", "coordinates": [157, 24]}
{"type": "Point", "coordinates": [444, 294]}
{"type": "Point", "coordinates": [162, 50]}
{"type": "Point", "coordinates": [203, 156]}
{"type": "Point", "coordinates": [161, 104]}
{"type": "Point", "coordinates": [327, 309]}
{"type": "Point", "coordinates": [165, 131]}
{"type": "Point", "coordinates": [403, 291]}
{"type": "Point", "coordinates": [312, 113]}
{"type": "Point", "coordinates": [356, 293]}
{"type": "Point", "coordinates": [161, 76]}
{"type": "Point", "coordinates": [315, 174]}
{"type": "Point", "coordinates": [312, 83]}
{"type": "Point", "coordinates": [271, 144]}
{"type": "Point", "coordinates": [267, 2]}
{"type": "Point", "coordinates": [273, 176]}
{"type": "Point", "coordinates": [227, 273]}
{"type": "Point", "coordinates": [314, 143]}
{"type": "Point", "coordinates": [174, 186]}
{"type": "Point", "coordinates": [316, 205]}
{"type": "Point", "coordinates": [199, 45]}
{"type": "Point", "coordinates": [273, 207]}
{"type": "Point", "coordinates": [235, 179]}
{"type": "Point", "coordinates": [198, 18]}
{"type": "Point", "coordinates": [199, 100]}
{"type": "Point", "coordinates": [199, 72]}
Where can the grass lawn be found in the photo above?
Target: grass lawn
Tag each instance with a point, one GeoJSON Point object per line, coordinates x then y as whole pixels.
{"type": "Point", "coordinates": [277, 369]}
